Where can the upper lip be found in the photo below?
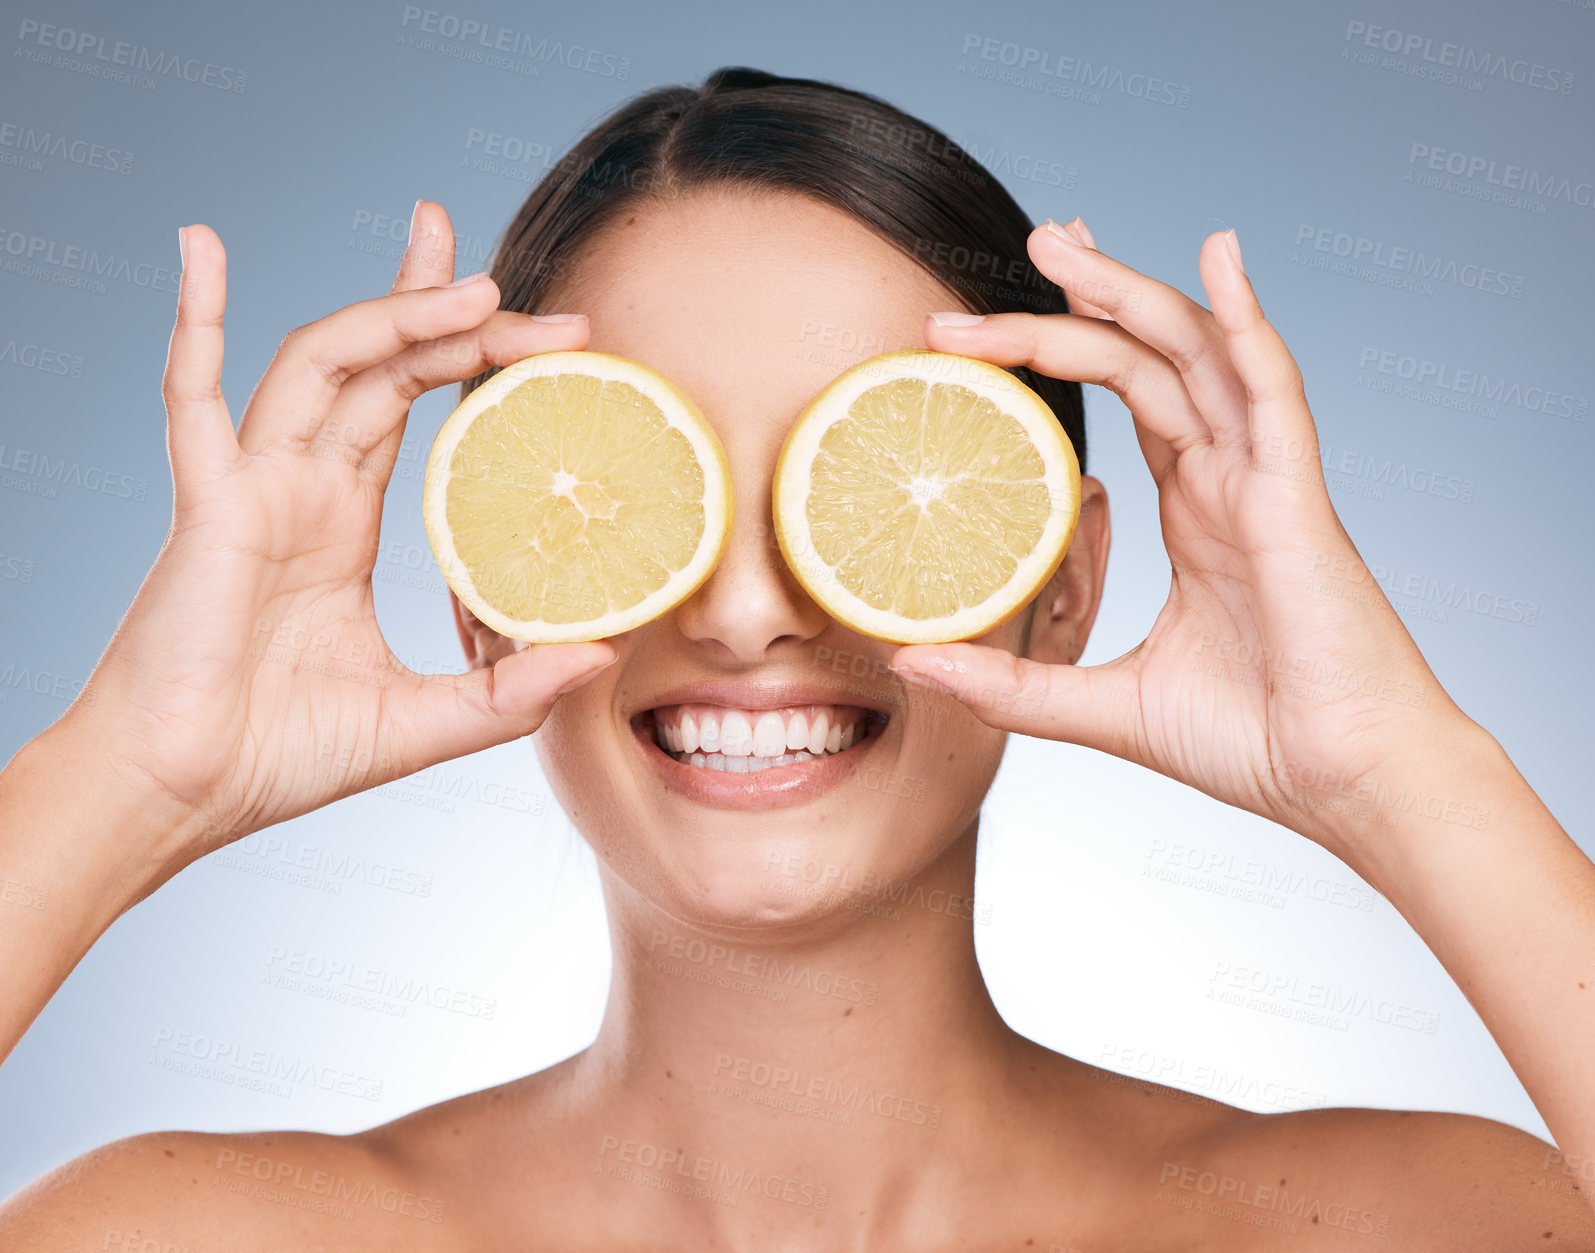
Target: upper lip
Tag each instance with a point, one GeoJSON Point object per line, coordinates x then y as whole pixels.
{"type": "Point", "coordinates": [764, 694]}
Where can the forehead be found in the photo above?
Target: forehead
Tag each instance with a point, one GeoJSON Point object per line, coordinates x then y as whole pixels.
{"type": "Point", "coordinates": [747, 298]}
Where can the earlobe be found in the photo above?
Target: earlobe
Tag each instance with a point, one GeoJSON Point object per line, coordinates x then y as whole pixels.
{"type": "Point", "coordinates": [1063, 614]}
{"type": "Point", "coordinates": [481, 644]}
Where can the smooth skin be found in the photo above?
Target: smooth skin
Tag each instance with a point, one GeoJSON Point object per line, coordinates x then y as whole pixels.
{"type": "Point", "coordinates": [193, 731]}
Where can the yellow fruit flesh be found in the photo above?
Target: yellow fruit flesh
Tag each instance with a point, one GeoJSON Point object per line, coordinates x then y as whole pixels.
{"type": "Point", "coordinates": [924, 498]}
{"type": "Point", "coordinates": [573, 498]}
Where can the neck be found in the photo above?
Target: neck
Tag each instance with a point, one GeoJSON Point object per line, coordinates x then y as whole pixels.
{"type": "Point", "coordinates": [830, 1054]}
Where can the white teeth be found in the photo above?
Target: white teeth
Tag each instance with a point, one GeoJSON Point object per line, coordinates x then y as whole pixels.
{"type": "Point", "coordinates": [742, 765]}
{"type": "Point", "coordinates": [736, 735]}
{"type": "Point", "coordinates": [745, 741]}
{"type": "Point", "coordinates": [819, 733]}
{"type": "Point", "coordinates": [769, 735]}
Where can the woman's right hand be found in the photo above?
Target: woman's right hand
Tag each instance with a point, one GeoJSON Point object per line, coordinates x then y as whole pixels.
{"type": "Point", "coordinates": [249, 682]}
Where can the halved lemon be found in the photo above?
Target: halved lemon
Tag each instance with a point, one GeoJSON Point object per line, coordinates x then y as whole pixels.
{"type": "Point", "coordinates": [575, 495]}
{"type": "Point", "coordinates": [924, 497]}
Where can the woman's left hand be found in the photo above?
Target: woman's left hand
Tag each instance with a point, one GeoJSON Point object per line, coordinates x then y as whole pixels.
{"type": "Point", "coordinates": [1278, 677]}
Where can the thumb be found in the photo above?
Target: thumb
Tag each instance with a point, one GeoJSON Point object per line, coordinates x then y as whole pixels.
{"type": "Point", "coordinates": [457, 714]}
{"type": "Point", "coordinates": [1086, 705]}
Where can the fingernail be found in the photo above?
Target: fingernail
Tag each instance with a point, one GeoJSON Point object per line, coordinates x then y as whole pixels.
{"type": "Point", "coordinates": [558, 317]}
{"type": "Point", "coordinates": [956, 318]}
{"type": "Point", "coordinates": [1085, 235]}
{"type": "Point", "coordinates": [921, 680]}
{"type": "Point", "coordinates": [1234, 249]}
{"type": "Point", "coordinates": [182, 245]}
{"type": "Point", "coordinates": [410, 238]}
{"type": "Point", "coordinates": [1062, 234]}
{"type": "Point", "coordinates": [585, 675]}
{"type": "Point", "coordinates": [469, 278]}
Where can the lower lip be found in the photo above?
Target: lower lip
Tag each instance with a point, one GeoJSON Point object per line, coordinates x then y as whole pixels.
{"type": "Point", "coordinates": [774, 788]}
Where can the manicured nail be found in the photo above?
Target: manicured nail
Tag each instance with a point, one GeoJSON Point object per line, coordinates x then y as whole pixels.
{"type": "Point", "coordinates": [558, 317]}
{"type": "Point", "coordinates": [1084, 232]}
{"type": "Point", "coordinates": [956, 318]}
{"type": "Point", "coordinates": [410, 238]}
{"type": "Point", "coordinates": [921, 680]}
{"type": "Point", "coordinates": [469, 278]}
{"type": "Point", "coordinates": [182, 244]}
{"type": "Point", "coordinates": [1234, 249]}
{"type": "Point", "coordinates": [1062, 234]}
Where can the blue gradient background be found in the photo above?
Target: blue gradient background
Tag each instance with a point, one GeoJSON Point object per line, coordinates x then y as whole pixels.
{"type": "Point", "coordinates": [340, 123]}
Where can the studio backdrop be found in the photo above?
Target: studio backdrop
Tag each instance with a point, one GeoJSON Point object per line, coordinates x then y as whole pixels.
{"type": "Point", "coordinates": [1412, 186]}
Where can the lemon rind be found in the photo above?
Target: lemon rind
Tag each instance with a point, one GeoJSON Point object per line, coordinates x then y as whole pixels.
{"type": "Point", "coordinates": [679, 412]}
{"type": "Point", "coordinates": [790, 495]}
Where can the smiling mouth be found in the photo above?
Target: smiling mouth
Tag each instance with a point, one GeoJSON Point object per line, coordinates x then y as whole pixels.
{"type": "Point", "coordinates": [748, 741]}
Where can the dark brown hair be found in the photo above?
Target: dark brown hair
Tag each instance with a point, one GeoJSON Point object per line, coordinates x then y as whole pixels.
{"type": "Point", "coordinates": [899, 176]}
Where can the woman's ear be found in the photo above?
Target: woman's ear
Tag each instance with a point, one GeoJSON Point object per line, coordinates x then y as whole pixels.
{"type": "Point", "coordinates": [482, 644]}
{"type": "Point", "coordinates": [1062, 613]}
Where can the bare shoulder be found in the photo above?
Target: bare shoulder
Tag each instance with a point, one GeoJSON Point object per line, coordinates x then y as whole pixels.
{"type": "Point", "coordinates": [1420, 1181]}
{"type": "Point", "coordinates": [251, 1191]}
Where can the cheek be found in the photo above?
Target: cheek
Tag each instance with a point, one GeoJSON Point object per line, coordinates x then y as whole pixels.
{"type": "Point", "coordinates": [576, 751]}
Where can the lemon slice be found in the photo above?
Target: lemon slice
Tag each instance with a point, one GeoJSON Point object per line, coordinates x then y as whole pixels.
{"type": "Point", "coordinates": [924, 497]}
{"type": "Point", "coordinates": [575, 495]}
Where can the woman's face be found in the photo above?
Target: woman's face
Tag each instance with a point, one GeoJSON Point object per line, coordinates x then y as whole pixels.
{"type": "Point", "coordinates": [751, 304]}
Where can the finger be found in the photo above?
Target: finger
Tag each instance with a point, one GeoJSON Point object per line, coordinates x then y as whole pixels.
{"type": "Point", "coordinates": [199, 430]}
{"type": "Point", "coordinates": [1167, 319]}
{"type": "Point", "coordinates": [297, 393]}
{"type": "Point", "coordinates": [1088, 350]}
{"type": "Point", "coordinates": [428, 259]}
{"type": "Point", "coordinates": [1275, 394]}
{"type": "Point", "coordinates": [1087, 705]}
{"type": "Point", "coordinates": [444, 716]}
{"type": "Point", "coordinates": [367, 425]}
{"type": "Point", "coordinates": [1079, 304]}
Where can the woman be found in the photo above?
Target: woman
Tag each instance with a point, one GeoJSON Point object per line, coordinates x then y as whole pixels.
{"type": "Point", "coordinates": [779, 1068]}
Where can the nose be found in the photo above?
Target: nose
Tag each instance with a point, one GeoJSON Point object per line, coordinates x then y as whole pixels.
{"type": "Point", "coordinates": [751, 604]}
